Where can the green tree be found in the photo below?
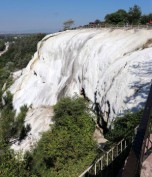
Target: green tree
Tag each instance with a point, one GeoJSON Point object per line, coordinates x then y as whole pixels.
{"type": "Point", "coordinates": [97, 21]}
{"type": "Point", "coordinates": [146, 18]}
{"type": "Point", "coordinates": [10, 166]}
{"type": "Point", "coordinates": [124, 125]}
{"type": "Point", "coordinates": [67, 24]}
{"type": "Point", "coordinates": [68, 148]}
{"type": "Point", "coordinates": [21, 52]}
{"type": "Point", "coordinates": [117, 18]}
{"type": "Point", "coordinates": [2, 45]}
{"type": "Point", "coordinates": [10, 125]}
{"type": "Point", "coordinates": [134, 15]}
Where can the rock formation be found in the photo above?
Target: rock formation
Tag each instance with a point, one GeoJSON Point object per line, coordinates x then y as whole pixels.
{"type": "Point", "coordinates": [113, 67]}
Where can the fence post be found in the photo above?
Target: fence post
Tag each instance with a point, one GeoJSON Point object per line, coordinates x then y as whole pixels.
{"type": "Point", "coordinates": [117, 149]}
{"type": "Point", "coordinates": [101, 163]}
{"type": "Point", "coordinates": [125, 143]}
{"type": "Point", "coordinates": [121, 145]}
{"type": "Point", "coordinates": [95, 169]}
{"type": "Point", "coordinates": [112, 154]}
{"type": "Point", "coordinates": [107, 159]}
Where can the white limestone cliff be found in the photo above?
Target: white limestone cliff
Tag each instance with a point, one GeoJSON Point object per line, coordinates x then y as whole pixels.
{"type": "Point", "coordinates": [115, 66]}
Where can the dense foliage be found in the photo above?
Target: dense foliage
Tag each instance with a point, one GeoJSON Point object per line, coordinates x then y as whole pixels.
{"type": "Point", "coordinates": [122, 17]}
{"type": "Point", "coordinates": [20, 52]}
{"type": "Point", "coordinates": [10, 166]}
{"type": "Point", "coordinates": [124, 126]}
{"type": "Point", "coordinates": [69, 147]}
{"type": "Point", "coordinates": [117, 18]}
{"type": "Point", "coordinates": [11, 129]}
{"type": "Point", "coordinates": [133, 17]}
{"type": "Point", "coordinates": [65, 150]}
{"type": "Point", "coordinates": [2, 45]}
{"type": "Point", "coordinates": [145, 18]}
{"type": "Point", "coordinates": [11, 126]}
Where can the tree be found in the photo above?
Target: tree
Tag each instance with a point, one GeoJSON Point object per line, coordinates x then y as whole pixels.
{"type": "Point", "coordinates": [124, 125]}
{"type": "Point", "coordinates": [21, 52]}
{"type": "Point", "coordinates": [2, 45]}
{"type": "Point", "coordinates": [116, 18]}
{"type": "Point", "coordinates": [134, 15]}
{"type": "Point", "coordinates": [97, 21]}
{"type": "Point", "coordinates": [67, 24]}
{"type": "Point", "coordinates": [145, 18]}
{"type": "Point", "coordinates": [69, 147]}
{"type": "Point", "coordinates": [10, 166]}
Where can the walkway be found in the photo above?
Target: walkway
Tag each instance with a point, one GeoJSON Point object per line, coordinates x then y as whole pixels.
{"type": "Point", "coordinates": [146, 170]}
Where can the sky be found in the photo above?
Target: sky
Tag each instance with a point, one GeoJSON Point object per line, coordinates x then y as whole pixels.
{"type": "Point", "coordinates": [25, 16]}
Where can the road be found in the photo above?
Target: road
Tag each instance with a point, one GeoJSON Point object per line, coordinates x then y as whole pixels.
{"type": "Point", "coordinates": [6, 48]}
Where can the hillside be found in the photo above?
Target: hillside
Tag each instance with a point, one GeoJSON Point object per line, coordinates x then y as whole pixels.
{"type": "Point", "coordinates": [112, 67]}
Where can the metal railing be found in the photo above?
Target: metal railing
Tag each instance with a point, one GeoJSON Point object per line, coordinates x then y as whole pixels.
{"type": "Point", "coordinates": [136, 156]}
{"type": "Point", "coordinates": [108, 156]}
{"type": "Point", "coordinates": [140, 141]}
{"type": "Point", "coordinates": [117, 26]}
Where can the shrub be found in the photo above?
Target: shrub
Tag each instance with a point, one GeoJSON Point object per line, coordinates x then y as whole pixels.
{"type": "Point", "coordinates": [122, 126]}
{"type": "Point", "coordinates": [10, 125]}
{"type": "Point", "coordinates": [69, 145]}
{"type": "Point", "coordinates": [2, 45]}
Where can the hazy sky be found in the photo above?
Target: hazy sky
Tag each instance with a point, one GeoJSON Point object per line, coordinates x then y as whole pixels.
{"type": "Point", "coordinates": [49, 15]}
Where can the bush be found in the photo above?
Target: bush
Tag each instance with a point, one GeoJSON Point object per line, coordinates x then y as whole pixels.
{"type": "Point", "coordinates": [122, 126]}
{"type": "Point", "coordinates": [10, 125]}
{"type": "Point", "coordinates": [69, 145]}
{"type": "Point", "coordinates": [10, 166]}
{"type": "Point", "coordinates": [20, 130]}
{"type": "Point", "coordinates": [2, 45]}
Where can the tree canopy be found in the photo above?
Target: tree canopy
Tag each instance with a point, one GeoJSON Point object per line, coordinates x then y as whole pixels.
{"type": "Point", "coordinates": [2, 45]}
{"type": "Point", "coordinates": [67, 24]}
{"type": "Point", "coordinates": [118, 17]}
{"type": "Point", "coordinates": [68, 148]}
{"type": "Point", "coordinates": [124, 125]}
{"type": "Point", "coordinates": [145, 18]}
{"type": "Point", "coordinates": [134, 15]}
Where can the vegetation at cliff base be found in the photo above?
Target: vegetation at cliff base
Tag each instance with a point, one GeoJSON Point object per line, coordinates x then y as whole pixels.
{"type": "Point", "coordinates": [68, 148]}
{"type": "Point", "coordinates": [124, 126]}
{"type": "Point", "coordinates": [63, 151]}
{"type": "Point", "coordinates": [12, 128]}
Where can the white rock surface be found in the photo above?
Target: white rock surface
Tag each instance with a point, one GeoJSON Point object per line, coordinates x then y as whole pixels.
{"type": "Point", "coordinates": [112, 63]}
{"type": "Point", "coordinates": [40, 121]}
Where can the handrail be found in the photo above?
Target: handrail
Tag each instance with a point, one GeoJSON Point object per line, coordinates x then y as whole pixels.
{"type": "Point", "coordinates": [136, 155]}
{"type": "Point", "coordinates": [105, 160]}
{"type": "Point", "coordinates": [115, 26]}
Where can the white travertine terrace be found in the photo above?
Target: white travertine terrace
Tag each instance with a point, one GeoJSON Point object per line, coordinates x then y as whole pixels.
{"type": "Point", "coordinates": [114, 64]}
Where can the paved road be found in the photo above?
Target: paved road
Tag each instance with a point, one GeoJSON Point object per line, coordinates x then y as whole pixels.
{"type": "Point", "coordinates": [6, 49]}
